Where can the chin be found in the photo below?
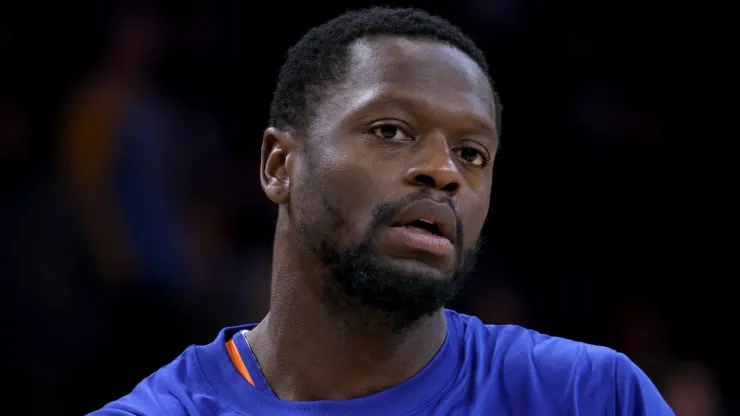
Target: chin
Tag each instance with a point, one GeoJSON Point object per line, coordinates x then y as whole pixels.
{"type": "Point", "coordinates": [419, 269]}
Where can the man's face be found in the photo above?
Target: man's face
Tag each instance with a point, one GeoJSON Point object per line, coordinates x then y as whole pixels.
{"type": "Point", "coordinates": [392, 186]}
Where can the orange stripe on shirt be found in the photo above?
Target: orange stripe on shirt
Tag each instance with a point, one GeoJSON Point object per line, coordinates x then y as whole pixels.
{"type": "Point", "coordinates": [236, 358]}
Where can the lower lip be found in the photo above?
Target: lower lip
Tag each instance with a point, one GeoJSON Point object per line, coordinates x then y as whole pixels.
{"type": "Point", "coordinates": [419, 239]}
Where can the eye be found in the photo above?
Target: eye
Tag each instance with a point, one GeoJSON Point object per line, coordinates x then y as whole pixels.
{"type": "Point", "coordinates": [390, 132]}
{"type": "Point", "coordinates": [472, 156]}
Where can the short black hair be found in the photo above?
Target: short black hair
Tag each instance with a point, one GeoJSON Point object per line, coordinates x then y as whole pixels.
{"type": "Point", "coordinates": [319, 57]}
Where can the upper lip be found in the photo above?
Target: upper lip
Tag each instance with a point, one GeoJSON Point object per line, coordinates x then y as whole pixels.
{"type": "Point", "coordinates": [438, 213]}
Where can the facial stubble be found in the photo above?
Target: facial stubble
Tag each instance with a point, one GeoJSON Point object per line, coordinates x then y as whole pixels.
{"type": "Point", "coordinates": [362, 289]}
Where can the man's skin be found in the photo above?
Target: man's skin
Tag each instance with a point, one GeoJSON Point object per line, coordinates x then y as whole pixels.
{"type": "Point", "coordinates": [344, 183]}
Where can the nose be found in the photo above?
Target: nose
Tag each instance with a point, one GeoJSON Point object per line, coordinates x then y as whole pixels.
{"type": "Point", "coordinates": [434, 167]}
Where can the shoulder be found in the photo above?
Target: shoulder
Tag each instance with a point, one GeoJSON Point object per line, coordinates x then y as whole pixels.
{"type": "Point", "coordinates": [183, 387]}
{"type": "Point", "coordinates": [523, 355]}
{"type": "Point", "coordinates": [526, 365]}
{"type": "Point", "coordinates": [161, 392]}
{"type": "Point", "coordinates": [635, 392]}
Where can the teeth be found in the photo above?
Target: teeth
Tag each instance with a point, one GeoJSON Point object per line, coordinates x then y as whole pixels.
{"type": "Point", "coordinates": [426, 221]}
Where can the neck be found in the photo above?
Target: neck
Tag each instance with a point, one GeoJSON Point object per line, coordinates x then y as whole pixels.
{"type": "Point", "coordinates": [308, 353]}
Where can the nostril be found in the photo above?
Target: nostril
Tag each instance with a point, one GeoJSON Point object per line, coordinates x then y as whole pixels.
{"type": "Point", "coordinates": [425, 180]}
{"type": "Point", "coordinates": [450, 187]}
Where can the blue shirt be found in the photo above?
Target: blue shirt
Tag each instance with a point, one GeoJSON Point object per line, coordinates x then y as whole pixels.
{"type": "Point", "coordinates": [479, 370]}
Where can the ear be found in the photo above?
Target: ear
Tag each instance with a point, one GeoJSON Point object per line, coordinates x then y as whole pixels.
{"type": "Point", "coordinates": [275, 166]}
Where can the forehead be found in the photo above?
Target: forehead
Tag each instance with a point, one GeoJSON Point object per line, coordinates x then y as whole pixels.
{"type": "Point", "coordinates": [394, 59]}
{"type": "Point", "coordinates": [424, 76]}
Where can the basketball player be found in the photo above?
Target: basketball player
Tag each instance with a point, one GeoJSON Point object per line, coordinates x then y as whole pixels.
{"type": "Point", "coordinates": [383, 130]}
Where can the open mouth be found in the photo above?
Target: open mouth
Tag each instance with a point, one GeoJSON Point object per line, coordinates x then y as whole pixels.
{"type": "Point", "coordinates": [425, 226]}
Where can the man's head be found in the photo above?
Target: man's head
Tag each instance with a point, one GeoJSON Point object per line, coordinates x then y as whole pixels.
{"type": "Point", "coordinates": [384, 125]}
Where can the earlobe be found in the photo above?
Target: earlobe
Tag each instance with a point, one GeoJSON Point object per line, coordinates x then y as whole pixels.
{"type": "Point", "coordinates": [274, 167]}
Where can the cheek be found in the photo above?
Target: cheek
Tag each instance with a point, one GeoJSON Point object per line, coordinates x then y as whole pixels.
{"type": "Point", "coordinates": [358, 191]}
{"type": "Point", "coordinates": [476, 218]}
{"type": "Point", "coordinates": [344, 189]}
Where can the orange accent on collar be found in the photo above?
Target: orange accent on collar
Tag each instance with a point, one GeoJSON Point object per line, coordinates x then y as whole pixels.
{"type": "Point", "coordinates": [236, 358]}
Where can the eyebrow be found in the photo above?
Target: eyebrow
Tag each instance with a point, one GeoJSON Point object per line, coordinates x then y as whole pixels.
{"type": "Point", "coordinates": [412, 108]}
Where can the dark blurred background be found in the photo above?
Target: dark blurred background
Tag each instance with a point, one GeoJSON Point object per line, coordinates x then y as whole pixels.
{"type": "Point", "coordinates": [132, 223]}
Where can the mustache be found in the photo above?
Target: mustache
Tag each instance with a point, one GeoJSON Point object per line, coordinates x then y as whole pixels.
{"type": "Point", "coordinates": [384, 212]}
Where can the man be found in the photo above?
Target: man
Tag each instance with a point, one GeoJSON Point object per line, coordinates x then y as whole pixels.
{"type": "Point", "coordinates": [379, 154]}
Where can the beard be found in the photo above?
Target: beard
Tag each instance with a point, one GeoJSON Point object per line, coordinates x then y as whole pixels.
{"type": "Point", "coordinates": [362, 290]}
